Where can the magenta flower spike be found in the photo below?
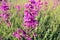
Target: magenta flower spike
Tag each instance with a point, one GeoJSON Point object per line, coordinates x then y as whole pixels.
{"type": "Point", "coordinates": [30, 13]}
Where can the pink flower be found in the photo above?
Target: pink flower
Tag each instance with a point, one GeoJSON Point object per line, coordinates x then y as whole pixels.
{"type": "Point", "coordinates": [45, 3]}
{"type": "Point", "coordinates": [32, 1]}
{"type": "Point", "coordinates": [17, 35]}
{"type": "Point", "coordinates": [26, 5]}
{"type": "Point", "coordinates": [39, 4]}
{"type": "Point", "coordinates": [4, 6]}
{"type": "Point", "coordinates": [5, 16]}
{"type": "Point", "coordinates": [18, 7]}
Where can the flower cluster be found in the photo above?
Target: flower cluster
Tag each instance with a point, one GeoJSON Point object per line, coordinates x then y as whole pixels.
{"type": "Point", "coordinates": [18, 7]}
{"type": "Point", "coordinates": [4, 6]}
{"type": "Point", "coordinates": [21, 33]}
{"type": "Point", "coordinates": [30, 13]}
{"type": "Point", "coordinates": [5, 15]}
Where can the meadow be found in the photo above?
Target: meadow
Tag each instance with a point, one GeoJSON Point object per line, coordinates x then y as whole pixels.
{"type": "Point", "coordinates": [30, 20]}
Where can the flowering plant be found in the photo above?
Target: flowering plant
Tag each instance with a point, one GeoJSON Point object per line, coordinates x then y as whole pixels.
{"type": "Point", "coordinates": [29, 20]}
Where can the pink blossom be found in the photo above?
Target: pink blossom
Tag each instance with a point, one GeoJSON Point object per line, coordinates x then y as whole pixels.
{"type": "Point", "coordinates": [18, 7]}
{"type": "Point", "coordinates": [4, 6]}
{"type": "Point", "coordinates": [5, 16]}
{"type": "Point", "coordinates": [46, 5]}
{"type": "Point", "coordinates": [17, 35]}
